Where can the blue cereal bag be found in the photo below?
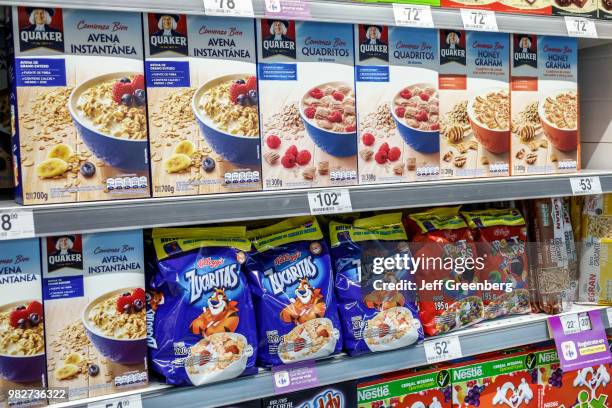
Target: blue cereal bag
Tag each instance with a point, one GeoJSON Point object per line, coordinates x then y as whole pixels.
{"type": "Point", "coordinates": [200, 321]}
{"type": "Point", "coordinates": [291, 281]}
{"type": "Point", "coordinates": [374, 318]}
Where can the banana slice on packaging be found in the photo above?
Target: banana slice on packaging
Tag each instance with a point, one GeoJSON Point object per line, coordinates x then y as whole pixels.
{"type": "Point", "coordinates": [67, 371]}
{"type": "Point", "coordinates": [61, 151]}
{"type": "Point", "coordinates": [177, 162]}
{"type": "Point", "coordinates": [51, 168]}
{"type": "Point", "coordinates": [73, 358]}
{"type": "Point", "coordinates": [185, 147]}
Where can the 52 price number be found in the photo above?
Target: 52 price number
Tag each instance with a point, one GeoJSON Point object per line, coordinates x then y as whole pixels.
{"type": "Point", "coordinates": [446, 348]}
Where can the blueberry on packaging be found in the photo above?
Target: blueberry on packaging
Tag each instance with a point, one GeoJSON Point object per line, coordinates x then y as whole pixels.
{"type": "Point", "coordinates": [291, 281]}
{"type": "Point", "coordinates": [201, 326]}
{"type": "Point", "coordinates": [373, 318]}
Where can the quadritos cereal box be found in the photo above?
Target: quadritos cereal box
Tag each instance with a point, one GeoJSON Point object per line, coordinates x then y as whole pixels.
{"type": "Point", "coordinates": [307, 103]}
{"type": "Point", "coordinates": [6, 163]}
{"type": "Point", "coordinates": [95, 312]}
{"type": "Point", "coordinates": [79, 105]}
{"type": "Point", "coordinates": [342, 395]}
{"type": "Point", "coordinates": [22, 340]}
{"type": "Point", "coordinates": [202, 98]}
{"type": "Point", "coordinates": [397, 101]}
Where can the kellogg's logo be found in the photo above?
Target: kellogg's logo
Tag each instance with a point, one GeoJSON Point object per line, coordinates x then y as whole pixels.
{"type": "Point", "coordinates": [40, 27]}
{"type": "Point", "coordinates": [328, 399]}
{"type": "Point", "coordinates": [65, 251]}
{"type": "Point", "coordinates": [373, 42]}
{"type": "Point", "coordinates": [525, 50]}
{"type": "Point", "coordinates": [210, 262]}
{"type": "Point", "coordinates": [452, 46]}
{"type": "Point", "coordinates": [281, 259]}
{"type": "Point", "coordinates": [278, 38]}
{"type": "Point", "coordinates": [167, 32]}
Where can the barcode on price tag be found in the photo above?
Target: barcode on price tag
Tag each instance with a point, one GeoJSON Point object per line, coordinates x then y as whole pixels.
{"type": "Point", "coordinates": [479, 20]}
{"type": "Point", "coordinates": [580, 27]}
{"type": "Point", "coordinates": [442, 349]}
{"type": "Point", "coordinates": [585, 185]}
{"type": "Point", "coordinates": [238, 8]}
{"type": "Point", "coordinates": [413, 15]}
{"type": "Point", "coordinates": [329, 201]}
{"type": "Point", "coordinates": [129, 401]}
{"type": "Point", "coordinates": [16, 224]}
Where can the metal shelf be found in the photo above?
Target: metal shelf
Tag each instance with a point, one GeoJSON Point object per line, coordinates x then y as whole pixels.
{"type": "Point", "coordinates": [332, 11]}
{"type": "Point", "coordinates": [483, 338]}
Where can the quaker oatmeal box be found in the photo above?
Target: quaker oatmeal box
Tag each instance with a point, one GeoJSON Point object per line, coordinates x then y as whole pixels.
{"type": "Point", "coordinates": [397, 101]}
{"type": "Point", "coordinates": [95, 312]}
{"type": "Point", "coordinates": [309, 123]}
{"type": "Point", "coordinates": [79, 105]}
{"type": "Point", "coordinates": [202, 99]}
{"type": "Point", "coordinates": [22, 339]}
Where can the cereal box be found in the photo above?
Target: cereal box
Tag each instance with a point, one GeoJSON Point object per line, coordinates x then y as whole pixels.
{"type": "Point", "coordinates": [397, 101]}
{"type": "Point", "coordinates": [583, 8]}
{"type": "Point", "coordinates": [202, 99]}
{"type": "Point", "coordinates": [6, 166]}
{"type": "Point", "coordinates": [307, 103]}
{"type": "Point", "coordinates": [507, 6]}
{"type": "Point", "coordinates": [79, 106]}
{"type": "Point", "coordinates": [341, 395]}
{"type": "Point", "coordinates": [605, 10]}
{"type": "Point", "coordinates": [95, 312]}
{"type": "Point", "coordinates": [22, 340]}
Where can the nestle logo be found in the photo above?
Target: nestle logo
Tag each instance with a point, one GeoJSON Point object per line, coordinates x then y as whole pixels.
{"type": "Point", "coordinates": [210, 262]}
{"type": "Point", "coordinates": [281, 259]}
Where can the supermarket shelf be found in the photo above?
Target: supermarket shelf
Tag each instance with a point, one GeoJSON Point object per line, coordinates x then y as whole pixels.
{"type": "Point", "coordinates": [487, 337]}
{"type": "Point", "coordinates": [332, 11]}
{"type": "Point", "coordinates": [52, 219]}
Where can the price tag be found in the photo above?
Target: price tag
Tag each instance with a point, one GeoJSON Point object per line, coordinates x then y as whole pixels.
{"type": "Point", "coordinates": [413, 15]}
{"type": "Point", "coordinates": [129, 401]}
{"type": "Point", "coordinates": [585, 185]}
{"type": "Point", "coordinates": [329, 201]}
{"type": "Point", "coordinates": [584, 321]}
{"type": "Point", "coordinates": [580, 27]}
{"type": "Point", "coordinates": [479, 20]}
{"type": "Point", "coordinates": [570, 323]}
{"type": "Point", "coordinates": [238, 8]}
{"type": "Point", "coordinates": [442, 349]}
{"type": "Point", "coordinates": [609, 314]}
{"type": "Point", "coordinates": [16, 224]}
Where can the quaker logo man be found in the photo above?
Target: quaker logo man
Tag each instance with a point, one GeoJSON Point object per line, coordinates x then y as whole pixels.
{"type": "Point", "coordinates": [65, 251]}
{"type": "Point", "coordinates": [373, 42]}
{"type": "Point", "coordinates": [525, 50]}
{"type": "Point", "coordinates": [278, 38]}
{"type": "Point", "coordinates": [452, 47]}
{"type": "Point", "coordinates": [168, 32]}
{"type": "Point", "coordinates": [40, 27]}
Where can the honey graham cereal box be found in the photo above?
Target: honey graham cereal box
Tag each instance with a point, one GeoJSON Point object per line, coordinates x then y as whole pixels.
{"type": "Point", "coordinates": [22, 325]}
{"type": "Point", "coordinates": [202, 99]}
{"type": "Point", "coordinates": [544, 108]}
{"type": "Point", "coordinates": [94, 299]}
{"type": "Point", "coordinates": [397, 103]}
{"type": "Point", "coordinates": [79, 105]}
{"type": "Point", "coordinates": [307, 103]}
{"type": "Point", "coordinates": [6, 166]}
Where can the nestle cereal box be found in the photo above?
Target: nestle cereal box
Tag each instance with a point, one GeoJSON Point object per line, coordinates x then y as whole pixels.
{"type": "Point", "coordinates": [79, 105]}
{"type": "Point", "coordinates": [94, 298]}
{"type": "Point", "coordinates": [6, 166]}
{"type": "Point", "coordinates": [397, 101]}
{"type": "Point", "coordinates": [22, 325]}
{"type": "Point", "coordinates": [202, 99]}
{"type": "Point", "coordinates": [307, 104]}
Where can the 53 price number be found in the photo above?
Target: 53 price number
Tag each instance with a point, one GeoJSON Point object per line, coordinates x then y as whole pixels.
{"type": "Point", "coordinates": [585, 185]}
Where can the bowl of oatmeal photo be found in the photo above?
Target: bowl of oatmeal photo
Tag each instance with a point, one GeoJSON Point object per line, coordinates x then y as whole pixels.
{"type": "Point", "coordinates": [328, 113]}
{"type": "Point", "coordinates": [22, 342]}
{"type": "Point", "coordinates": [415, 112]}
{"type": "Point", "coordinates": [314, 339]}
{"type": "Point", "coordinates": [390, 329]}
{"type": "Point", "coordinates": [558, 112]}
{"type": "Point", "coordinates": [489, 115]}
{"type": "Point", "coordinates": [115, 324]}
{"type": "Point", "coordinates": [217, 357]}
{"type": "Point", "coordinates": [109, 113]}
{"type": "Point", "coordinates": [226, 111]}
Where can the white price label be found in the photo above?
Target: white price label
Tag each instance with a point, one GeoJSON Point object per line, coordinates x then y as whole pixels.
{"type": "Point", "coordinates": [413, 15]}
{"type": "Point", "coordinates": [239, 8]}
{"type": "Point", "coordinates": [609, 313]}
{"type": "Point", "coordinates": [129, 401]}
{"type": "Point", "coordinates": [479, 20]}
{"type": "Point", "coordinates": [585, 185]}
{"type": "Point", "coordinates": [580, 27]}
{"type": "Point", "coordinates": [570, 323]}
{"type": "Point", "coordinates": [584, 321]}
{"type": "Point", "coordinates": [442, 349]}
{"type": "Point", "coordinates": [329, 201]}
{"type": "Point", "coordinates": [16, 224]}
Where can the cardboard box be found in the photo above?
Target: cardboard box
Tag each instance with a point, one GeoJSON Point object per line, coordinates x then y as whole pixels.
{"type": "Point", "coordinates": [307, 104]}
{"type": "Point", "coordinates": [79, 106]}
{"type": "Point", "coordinates": [93, 290]}
{"type": "Point", "coordinates": [397, 101]}
{"type": "Point", "coordinates": [202, 99]}
{"type": "Point", "coordinates": [341, 395]}
{"type": "Point", "coordinates": [582, 8]}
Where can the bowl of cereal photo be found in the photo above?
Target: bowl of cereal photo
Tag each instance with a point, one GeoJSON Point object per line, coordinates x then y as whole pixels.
{"type": "Point", "coordinates": [489, 115]}
{"type": "Point", "coordinates": [115, 324]}
{"type": "Point", "coordinates": [390, 329]}
{"type": "Point", "coordinates": [415, 112]}
{"type": "Point", "coordinates": [226, 111]}
{"type": "Point", "coordinates": [109, 113]}
{"type": "Point", "coordinates": [218, 357]}
{"type": "Point", "coordinates": [22, 342]}
{"type": "Point", "coordinates": [314, 339]}
{"type": "Point", "coordinates": [558, 112]}
{"type": "Point", "coordinates": [328, 113]}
